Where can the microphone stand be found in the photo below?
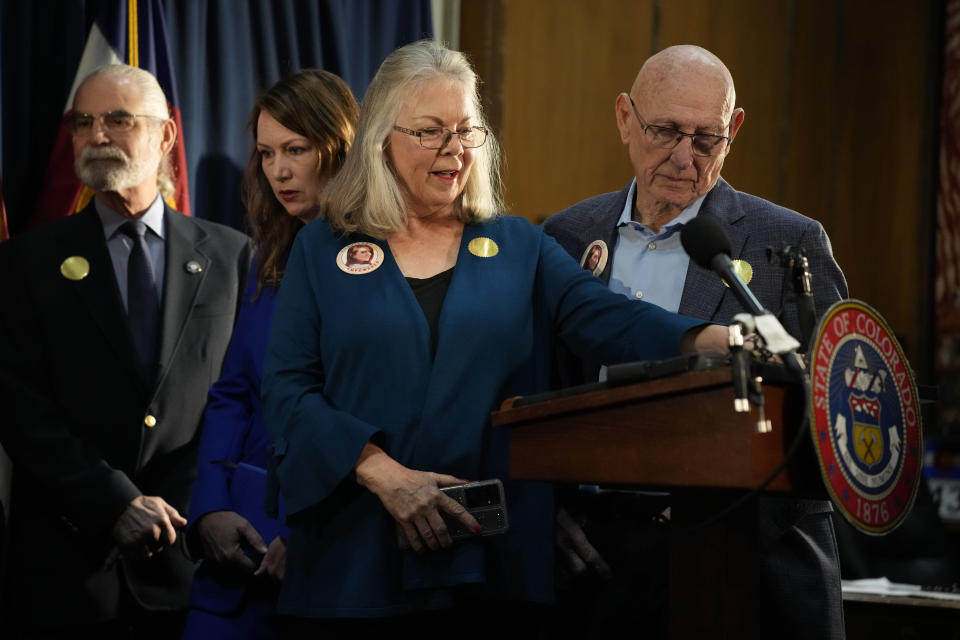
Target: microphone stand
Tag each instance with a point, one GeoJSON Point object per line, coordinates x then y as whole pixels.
{"type": "Point", "coordinates": [795, 259]}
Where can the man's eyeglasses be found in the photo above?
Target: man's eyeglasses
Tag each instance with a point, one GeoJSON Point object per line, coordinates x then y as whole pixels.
{"type": "Point", "coordinates": [703, 144]}
{"type": "Point", "coordinates": [118, 121]}
{"type": "Point", "coordinates": [438, 137]}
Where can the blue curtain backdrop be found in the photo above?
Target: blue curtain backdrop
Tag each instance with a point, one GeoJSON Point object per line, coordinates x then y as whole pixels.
{"type": "Point", "coordinates": [224, 53]}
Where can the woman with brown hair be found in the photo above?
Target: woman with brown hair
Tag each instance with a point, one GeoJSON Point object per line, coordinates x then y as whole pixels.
{"type": "Point", "coordinates": [302, 128]}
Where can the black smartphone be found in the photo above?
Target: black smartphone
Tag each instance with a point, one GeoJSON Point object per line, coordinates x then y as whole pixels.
{"type": "Point", "coordinates": [485, 502]}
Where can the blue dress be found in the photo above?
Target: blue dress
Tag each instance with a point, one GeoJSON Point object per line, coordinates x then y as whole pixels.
{"type": "Point", "coordinates": [233, 432]}
{"type": "Point", "coordinates": [350, 360]}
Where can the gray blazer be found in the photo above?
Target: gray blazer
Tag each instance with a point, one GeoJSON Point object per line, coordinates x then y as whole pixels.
{"type": "Point", "coordinates": [84, 434]}
{"type": "Point", "coordinates": [798, 560]}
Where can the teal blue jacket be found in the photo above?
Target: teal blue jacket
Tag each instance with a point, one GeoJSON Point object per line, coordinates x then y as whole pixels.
{"type": "Point", "coordinates": [350, 360]}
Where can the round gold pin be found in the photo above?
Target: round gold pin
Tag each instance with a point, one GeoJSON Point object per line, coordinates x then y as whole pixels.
{"type": "Point", "coordinates": [75, 268]}
{"type": "Point", "coordinates": [483, 247]}
{"type": "Point", "coordinates": [743, 269]}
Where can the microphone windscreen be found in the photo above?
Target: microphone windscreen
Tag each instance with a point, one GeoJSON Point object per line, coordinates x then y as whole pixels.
{"type": "Point", "coordinates": [703, 238]}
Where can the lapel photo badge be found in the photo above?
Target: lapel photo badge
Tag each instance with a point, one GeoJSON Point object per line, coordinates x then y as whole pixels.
{"type": "Point", "coordinates": [865, 418]}
{"type": "Point", "coordinates": [483, 247]}
{"type": "Point", "coordinates": [360, 257]}
{"type": "Point", "coordinates": [594, 259]}
{"type": "Point", "coordinates": [75, 268]}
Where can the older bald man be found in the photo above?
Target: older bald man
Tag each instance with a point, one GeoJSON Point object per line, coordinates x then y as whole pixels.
{"type": "Point", "coordinates": [678, 122]}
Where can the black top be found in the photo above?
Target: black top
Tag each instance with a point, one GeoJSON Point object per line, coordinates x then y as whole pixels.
{"type": "Point", "coordinates": [430, 293]}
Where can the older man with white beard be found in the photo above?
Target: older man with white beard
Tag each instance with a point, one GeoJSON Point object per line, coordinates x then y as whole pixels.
{"type": "Point", "coordinates": [115, 320]}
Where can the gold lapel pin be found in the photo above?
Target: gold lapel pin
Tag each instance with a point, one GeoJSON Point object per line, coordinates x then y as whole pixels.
{"type": "Point", "coordinates": [483, 247]}
{"type": "Point", "coordinates": [192, 267]}
{"type": "Point", "coordinates": [75, 268]}
{"type": "Point", "coordinates": [743, 269]}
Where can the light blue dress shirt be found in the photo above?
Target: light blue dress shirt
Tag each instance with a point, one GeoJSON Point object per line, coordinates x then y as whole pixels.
{"type": "Point", "coordinates": [119, 245]}
{"type": "Point", "coordinates": [651, 266]}
{"type": "Point", "coordinates": [648, 266]}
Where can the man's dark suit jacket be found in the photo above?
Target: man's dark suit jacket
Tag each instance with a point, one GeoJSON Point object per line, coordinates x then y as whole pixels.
{"type": "Point", "coordinates": [799, 555]}
{"type": "Point", "coordinates": [84, 434]}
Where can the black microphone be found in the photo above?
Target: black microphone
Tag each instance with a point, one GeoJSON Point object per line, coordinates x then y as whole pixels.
{"type": "Point", "coordinates": [707, 244]}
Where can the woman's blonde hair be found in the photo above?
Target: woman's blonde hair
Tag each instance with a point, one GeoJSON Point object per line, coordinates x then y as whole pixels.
{"type": "Point", "coordinates": [366, 196]}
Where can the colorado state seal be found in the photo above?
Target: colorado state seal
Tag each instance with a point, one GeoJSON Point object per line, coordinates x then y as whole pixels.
{"type": "Point", "coordinates": [866, 422]}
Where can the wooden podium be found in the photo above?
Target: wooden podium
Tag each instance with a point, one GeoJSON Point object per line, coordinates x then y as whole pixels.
{"type": "Point", "coordinates": [679, 433]}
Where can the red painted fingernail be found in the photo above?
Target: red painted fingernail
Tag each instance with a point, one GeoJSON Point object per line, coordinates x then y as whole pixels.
{"type": "Point", "coordinates": [477, 529]}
